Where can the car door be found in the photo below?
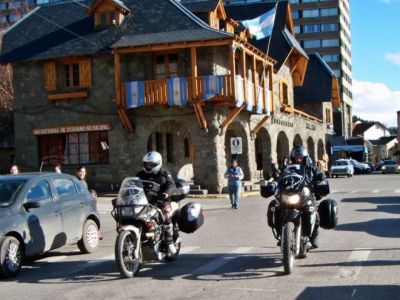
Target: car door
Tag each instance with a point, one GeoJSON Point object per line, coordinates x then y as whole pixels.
{"type": "Point", "coordinates": [71, 207]}
{"type": "Point", "coordinates": [42, 214]}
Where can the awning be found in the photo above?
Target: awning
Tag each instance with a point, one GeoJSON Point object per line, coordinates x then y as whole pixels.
{"type": "Point", "coordinates": [348, 148]}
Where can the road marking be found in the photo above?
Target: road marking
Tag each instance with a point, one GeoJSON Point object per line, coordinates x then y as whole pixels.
{"type": "Point", "coordinates": [52, 258]}
{"type": "Point", "coordinates": [354, 191]}
{"type": "Point", "coordinates": [397, 191]}
{"type": "Point", "coordinates": [185, 250]}
{"type": "Point", "coordinates": [220, 261]}
{"type": "Point", "coordinates": [356, 257]}
{"type": "Point", "coordinates": [375, 191]}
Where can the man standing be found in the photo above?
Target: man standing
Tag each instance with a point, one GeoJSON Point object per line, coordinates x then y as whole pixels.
{"type": "Point", "coordinates": [234, 174]}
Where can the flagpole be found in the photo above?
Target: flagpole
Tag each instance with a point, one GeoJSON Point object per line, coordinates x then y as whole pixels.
{"type": "Point", "coordinates": [273, 25]}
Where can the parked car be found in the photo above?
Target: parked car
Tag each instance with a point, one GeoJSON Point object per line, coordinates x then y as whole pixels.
{"type": "Point", "coordinates": [390, 166]}
{"type": "Point", "coordinates": [44, 211]}
{"type": "Point", "coordinates": [360, 168]}
{"type": "Point", "coordinates": [342, 167]}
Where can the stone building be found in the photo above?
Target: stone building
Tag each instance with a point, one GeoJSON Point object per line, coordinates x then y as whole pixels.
{"type": "Point", "coordinates": [100, 83]}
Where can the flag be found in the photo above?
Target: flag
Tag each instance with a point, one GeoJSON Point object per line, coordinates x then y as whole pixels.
{"type": "Point", "coordinates": [212, 86]}
{"type": "Point", "coordinates": [259, 100]}
{"type": "Point", "coordinates": [177, 91]}
{"type": "Point", "coordinates": [250, 95]}
{"type": "Point", "coordinates": [134, 94]}
{"type": "Point", "coordinates": [239, 90]}
{"type": "Point", "coordinates": [261, 26]}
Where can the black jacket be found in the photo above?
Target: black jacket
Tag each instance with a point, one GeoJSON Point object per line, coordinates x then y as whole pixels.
{"type": "Point", "coordinates": [163, 178]}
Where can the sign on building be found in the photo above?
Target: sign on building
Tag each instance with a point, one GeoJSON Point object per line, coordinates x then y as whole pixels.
{"type": "Point", "coordinates": [236, 145]}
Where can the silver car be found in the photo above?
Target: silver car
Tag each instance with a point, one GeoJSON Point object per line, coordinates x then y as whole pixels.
{"type": "Point", "coordinates": [342, 167]}
{"type": "Point", "coordinates": [44, 211]}
{"type": "Point", "coordinates": [390, 166]}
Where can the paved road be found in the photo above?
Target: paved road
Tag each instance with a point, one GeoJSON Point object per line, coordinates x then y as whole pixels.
{"type": "Point", "coordinates": [234, 256]}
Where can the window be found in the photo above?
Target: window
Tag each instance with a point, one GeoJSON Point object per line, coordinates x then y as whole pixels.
{"type": "Point", "coordinates": [159, 142]}
{"type": "Point", "coordinates": [297, 29]}
{"type": "Point", "coordinates": [67, 75]}
{"type": "Point", "coordinates": [330, 43]}
{"type": "Point", "coordinates": [166, 66]}
{"type": "Point", "coordinates": [187, 147]}
{"type": "Point", "coordinates": [74, 148]}
{"type": "Point", "coordinates": [331, 57]}
{"type": "Point", "coordinates": [39, 191]}
{"type": "Point", "coordinates": [311, 28]}
{"type": "Point", "coordinates": [329, 27]}
{"type": "Point", "coordinates": [328, 116]}
{"type": "Point", "coordinates": [284, 92]}
{"type": "Point", "coordinates": [326, 12]}
{"type": "Point", "coordinates": [310, 13]}
{"type": "Point", "coordinates": [295, 14]}
{"type": "Point", "coordinates": [106, 18]}
{"type": "Point", "coordinates": [65, 187]}
{"type": "Point", "coordinates": [170, 147]}
{"type": "Point", "coordinates": [312, 44]}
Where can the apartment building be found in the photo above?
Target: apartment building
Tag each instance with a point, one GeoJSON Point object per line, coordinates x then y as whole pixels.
{"type": "Point", "coordinates": [323, 26]}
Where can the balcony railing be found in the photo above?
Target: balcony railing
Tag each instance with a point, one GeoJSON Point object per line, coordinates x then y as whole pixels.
{"type": "Point", "coordinates": [220, 90]}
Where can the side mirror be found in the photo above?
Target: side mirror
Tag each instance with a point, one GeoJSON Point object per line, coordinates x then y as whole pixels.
{"type": "Point", "coordinates": [182, 190]}
{"type": "Point", "coordinates": [268, 190]}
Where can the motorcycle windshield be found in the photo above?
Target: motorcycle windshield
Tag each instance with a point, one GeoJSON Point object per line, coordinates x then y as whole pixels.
{"type": "Point", "coordinates": [292, 181]}
{"type": "Point", "coordinates": [132, 192]}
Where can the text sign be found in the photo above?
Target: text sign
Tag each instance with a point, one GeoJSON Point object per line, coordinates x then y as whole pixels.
{"type": "Point", "coordinates": [236, 145]}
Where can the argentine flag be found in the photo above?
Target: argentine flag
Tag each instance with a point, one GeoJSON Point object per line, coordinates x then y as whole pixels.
{"type": "Point", "coordinates": [177, 91]}
{"type": "Point", "coordinates": [261, 27]}
{"type": "Point", "coordinates": [134, 94]}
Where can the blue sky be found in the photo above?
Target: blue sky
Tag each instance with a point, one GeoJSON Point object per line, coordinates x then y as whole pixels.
{"type": "Point", "coordinates": [375, 31]}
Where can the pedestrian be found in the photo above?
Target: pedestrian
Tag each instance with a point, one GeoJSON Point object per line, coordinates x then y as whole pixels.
{"type": "Point", "coordinates": [14, 170]}
{"type": "Point", "coordinates": [57, 168]}
{"type": "Point", "coordinates": [80, 173]}
{"type": "Point", "coordinates": [234, 174]}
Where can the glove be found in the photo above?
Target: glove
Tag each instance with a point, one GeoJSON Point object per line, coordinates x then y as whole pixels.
{"type": "Point", "coordinates": [162, 197]}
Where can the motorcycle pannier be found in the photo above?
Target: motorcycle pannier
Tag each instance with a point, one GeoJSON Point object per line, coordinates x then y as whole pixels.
{"type": "Point", "coordinates": [328, 214]}
{"type": "Point", "coordinates": [190, 217]}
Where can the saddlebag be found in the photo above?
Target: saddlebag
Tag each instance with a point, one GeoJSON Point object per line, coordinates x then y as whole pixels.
{"type": "Point", "coordinates": [321, 189]}
{"type": "Point", "coordinates": [328, 214]}
{"type": "Point", "coordinates": [181, 191]}
{"type": "Point", "coordinates": [190, 217]}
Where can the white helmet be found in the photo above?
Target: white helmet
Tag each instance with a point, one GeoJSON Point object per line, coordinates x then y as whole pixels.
{"type": "Point", "coordinates": [152, 162]}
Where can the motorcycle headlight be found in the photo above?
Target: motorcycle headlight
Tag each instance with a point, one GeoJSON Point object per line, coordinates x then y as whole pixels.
{"type": "Point", "coordinates": [130, 211]}
{"type": "Point", "coordinates": [290, 199]}
{"type": "Point", "coordinates": [383, 168]}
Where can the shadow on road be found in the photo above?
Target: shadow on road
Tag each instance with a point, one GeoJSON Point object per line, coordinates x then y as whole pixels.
{"type": "Point", "coordinates": [354, 292]}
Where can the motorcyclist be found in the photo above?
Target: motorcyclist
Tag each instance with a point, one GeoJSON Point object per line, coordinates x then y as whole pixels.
{"type": "Point", "coordinates": [153, 171]}
{"type": "Point", "coordinates": [299, 156]}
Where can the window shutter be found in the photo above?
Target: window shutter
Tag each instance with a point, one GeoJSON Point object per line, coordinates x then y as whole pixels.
{"type": "Point", "coordinates": [50, 79]}
{"type": "Point", "coordinates": [85, 73]}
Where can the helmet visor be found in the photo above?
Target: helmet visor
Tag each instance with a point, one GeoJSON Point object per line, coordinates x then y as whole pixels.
{"type": "Point", "coordinates": [149, 165]}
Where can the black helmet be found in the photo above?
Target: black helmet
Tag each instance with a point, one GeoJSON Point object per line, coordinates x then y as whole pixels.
{"type": "Point", "coordinates": [299, 152]}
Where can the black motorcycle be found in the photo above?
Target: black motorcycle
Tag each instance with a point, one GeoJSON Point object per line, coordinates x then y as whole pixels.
{"type": "Point", "coordinates": [292, 215]}
{"type": "Point", "coordinates": [141, 225]}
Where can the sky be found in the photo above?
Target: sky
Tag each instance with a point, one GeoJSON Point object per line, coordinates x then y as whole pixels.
{"type": "Point", "coordinates": [375, 38]}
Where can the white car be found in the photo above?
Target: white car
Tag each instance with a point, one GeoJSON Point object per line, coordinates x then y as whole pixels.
{"type": "Point", "coordinates": [342, 167]}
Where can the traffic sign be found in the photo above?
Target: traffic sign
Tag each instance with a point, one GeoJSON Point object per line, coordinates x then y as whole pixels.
{"type": "Point", "coordinates": [236, 145]}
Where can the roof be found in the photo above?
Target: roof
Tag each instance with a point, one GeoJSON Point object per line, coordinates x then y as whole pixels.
{"type": "Point", "coordinates": [359, 129]}
{"type": "Point", "coordinates": [318, 74]}
{"type": "Point", "coordinates": [200, 6]}
{"type": "Point", "coordinates": [65, 29]}
{"type": "Point", "coordinates": [383, 140]}
{"type": "Point", "coordinates": [282, 41]}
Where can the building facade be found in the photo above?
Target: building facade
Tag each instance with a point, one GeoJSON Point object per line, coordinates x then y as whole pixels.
{"type": "Point", "coordinates": [128, 80]}
{"type": "Point", "coordinates": [323, 26]}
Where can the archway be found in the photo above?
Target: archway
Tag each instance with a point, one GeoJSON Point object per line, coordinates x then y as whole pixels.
{"type": "Point", "coordinates": [297, 141]}
{"type": "Point", "coordinates": [263, 152]}
{"type": "Point", "coordinates": [282, 147]}
{"type": "Point", "coordinates": [311, 148]}
{"type": "Point", "coordinates": [320, 149]}
{"type": "Point", "coordinates": [236, 130]}
{"type": "Point", "coordinates": [175, 145]}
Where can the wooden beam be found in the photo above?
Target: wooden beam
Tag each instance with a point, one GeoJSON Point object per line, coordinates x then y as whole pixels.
{"type": "Point", "coordinates": [231, 116]}
{"type": "Point", "coordinates": [149, 48]}
{"type": "Point", "coordinates": [65, 96]}
{"type": "Point", "coordinates": [117, 78]}
{"type": "Point", "coordinates": [232, 62]}
{"type": "Point", "coordinates": [259, 125]}
{"type": "Point", "coordinates": [197, 106]}
{"type": "Point", "coordinates": [126, 123]}
{"type": "Point", "coordinates": [271, 87]}
{"type": "Point", "coordinates": [200, 115]}
{"type": "Point", "coordinates": [243, 70]}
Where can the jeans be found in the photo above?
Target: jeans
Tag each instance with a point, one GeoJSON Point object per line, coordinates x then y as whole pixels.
{"type": "Point", "coordinates": [234, 193]}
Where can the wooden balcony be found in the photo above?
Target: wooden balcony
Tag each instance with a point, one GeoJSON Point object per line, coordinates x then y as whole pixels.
{"type": "Point", "coordinates": [225, 92]}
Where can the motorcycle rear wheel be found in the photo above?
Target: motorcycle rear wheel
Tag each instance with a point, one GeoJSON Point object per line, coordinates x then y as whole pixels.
{"type": "Point", "coordinates": [128, 264]}
{"type": "Point", "coordinates": [288, 247]}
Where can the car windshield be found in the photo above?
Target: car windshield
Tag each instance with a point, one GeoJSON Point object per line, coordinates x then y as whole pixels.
{"type": "Point", "coordinates": [9, 189]}
{"type": "Point", "coordinates": [341, 163]}
{"type": "Point", "coordinates": [389, 162]}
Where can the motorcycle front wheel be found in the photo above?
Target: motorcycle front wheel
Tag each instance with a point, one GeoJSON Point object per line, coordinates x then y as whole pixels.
{"type": "Point", "coordinates": [288, 247]}
{"type": "Point", "coordinates": [125, 246]}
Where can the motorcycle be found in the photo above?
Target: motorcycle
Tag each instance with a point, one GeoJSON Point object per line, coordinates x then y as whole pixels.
{"type": "Point", "coordinates": [141, 225]}
{"type": "Point", "coordinates": [292, 215]}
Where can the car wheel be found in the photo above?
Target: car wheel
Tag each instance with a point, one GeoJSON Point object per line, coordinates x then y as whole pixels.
{"type": "Point", "coordinates": [90, 237]}
{"type": "Point", "coordinates": [10, 256]}
{"type": "Point", "coordinates": [348, 175]}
